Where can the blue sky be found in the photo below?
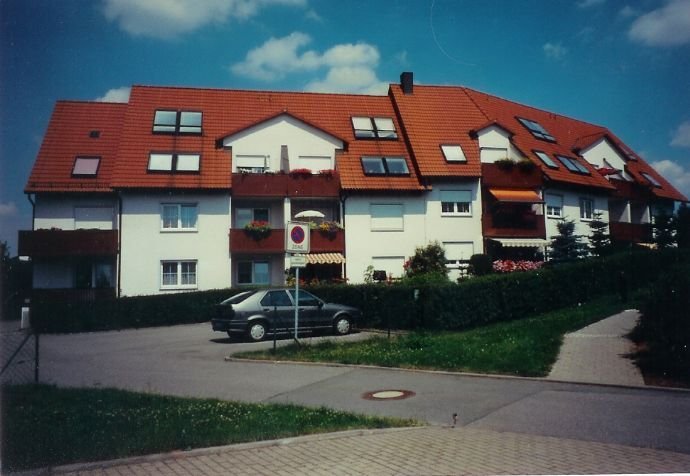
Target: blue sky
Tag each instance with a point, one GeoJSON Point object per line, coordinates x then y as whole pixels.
{"type": "Point", "coordinates": [624, 65]}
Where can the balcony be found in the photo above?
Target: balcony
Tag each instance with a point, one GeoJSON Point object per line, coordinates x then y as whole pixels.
{"type": "Point", "coordinates": [241, 242]}
{"type": "Point", "coordinates": [516, 176]}
{"type": "Point", "coordinates": [285, 185]}
{"type": "Point", "coordinates": [630, 232]}
{"type": "Point", "coordinates": [61, 243]}
{"type": "Point", "coordinates": [513, 225]}
{"type": "Point", "coordinates": [631, 191]}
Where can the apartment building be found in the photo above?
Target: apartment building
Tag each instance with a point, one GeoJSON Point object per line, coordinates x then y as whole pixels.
{"type": "Point", "coordinates": [155, 195]}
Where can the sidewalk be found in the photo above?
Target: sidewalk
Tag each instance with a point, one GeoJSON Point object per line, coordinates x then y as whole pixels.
{"type": "Point", "coordinates": [596, 354]}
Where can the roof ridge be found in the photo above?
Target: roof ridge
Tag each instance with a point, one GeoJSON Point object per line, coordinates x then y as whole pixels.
{"type": "Point", "coordinates": [91, 101]}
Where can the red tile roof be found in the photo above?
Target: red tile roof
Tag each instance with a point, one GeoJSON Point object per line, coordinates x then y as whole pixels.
{"type": "Point", "coordinates": [68, 136]}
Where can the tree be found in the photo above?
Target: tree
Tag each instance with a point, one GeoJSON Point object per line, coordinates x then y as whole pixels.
{"type": "Point", "coordinates": [427, 260]}
{"type": "Point", "coordinates": [599, 241]}
{"type": "Point", "coordinates": [566, 246]}
{"type": "Point", "coordinates": [664, 233]}
{"type": "Point", "coordinates": [683, 226]}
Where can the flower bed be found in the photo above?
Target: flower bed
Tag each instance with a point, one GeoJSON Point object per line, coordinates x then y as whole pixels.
{"type": "Point", "coordinates": [509, 266]}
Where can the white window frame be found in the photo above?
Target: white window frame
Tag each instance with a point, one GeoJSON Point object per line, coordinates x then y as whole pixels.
{"type": "Point", "coordinates": [461, 197]}
{"type": "Point", "coordinates": [179, 227]}
{"type": "Point", "coordinates": [174, 162]}
{"type": "Point", "coordinates": [453, 153]}
{"type": "Point", "coordinates": [381, 222]}
{"type": "Point", "coordinates": [583, 209]}
{"type": "Point", "coordinates": [551, 208]}
{"type": "Point", "coordinates": [179, 274]}
{"type": "Point", "coordinates": [253, 264]}
{"type": "Point", "coordinates": [86, 166]}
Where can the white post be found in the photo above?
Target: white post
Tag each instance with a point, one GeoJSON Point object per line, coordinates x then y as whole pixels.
{"type": "Point", "coordinates": [296, 300]}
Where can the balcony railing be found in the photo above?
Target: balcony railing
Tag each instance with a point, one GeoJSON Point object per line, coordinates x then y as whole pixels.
{"type": "Point", "coordinates": [630, 232]}
{"type": "Point", "coordinates": [516, 176]}
{"type": "Point", "coordinates": [285, 185]}
{"type": "Point", "coordinates": [241, 242]}
{"type": "Point", "coordinates": [527, 225]}
{"type": "Point", "coordinates": [61, 243]}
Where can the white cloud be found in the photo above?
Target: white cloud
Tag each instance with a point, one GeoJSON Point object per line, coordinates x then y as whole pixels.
{"type": "Point", "coordinates": [628, 12]}
{"type": "Point", "coordinates": [8, 209]}
{"type": "Point", "coordinates": [115, 95]}
{"type": "Point", "coordinates": [589, 3]}
{"type": "Point", "coordinates": [351, 67]}
{"type": "Point", "coordinates": [170, 18]}
{"type": "Point", "coordinates": [681, 138]}
{"type": "Point", "coordinates": [665, 26]}
{"type": "Point", "coordinates": [312, 15]}
{"type": "Point", "coordinates": [675, 173]}
{"type": "Point", "coordinates": [554, 50]}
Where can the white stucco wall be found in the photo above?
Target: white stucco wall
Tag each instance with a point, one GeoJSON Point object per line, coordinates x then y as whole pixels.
{"type": "Point", "coordinates": [495, 144]}
{"type": "Point", "coordinates": [571, 211]}
{"type": "Point", "coordinates": [59, 211]}
{"type": "Point", "coordinates": [602, 151]}
{"type": "Point", "coordinates": [144, 245]}
{"type": "Point", "coordinates": [268, 137]}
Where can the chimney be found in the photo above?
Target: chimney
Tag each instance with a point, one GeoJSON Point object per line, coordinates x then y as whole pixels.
{"type": "Point", "coordinates": [406, 82]}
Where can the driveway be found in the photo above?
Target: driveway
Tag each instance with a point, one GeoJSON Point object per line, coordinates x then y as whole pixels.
{"type": "Point", "coordinates": [189, 361]}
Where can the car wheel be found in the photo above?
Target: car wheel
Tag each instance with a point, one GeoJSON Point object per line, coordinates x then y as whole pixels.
{"type": "Point", "coordinates": [343, 326]}
{"type": "Point", "coordinates": [257, 331]}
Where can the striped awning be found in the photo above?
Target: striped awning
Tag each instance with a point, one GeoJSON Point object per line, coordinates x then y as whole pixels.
{"type": "Point", "coordinates": [325, 258]}
{"type": "Point", "coordinates": [516, 196]}
{"type": "Point", "coordinates": [522, 242]}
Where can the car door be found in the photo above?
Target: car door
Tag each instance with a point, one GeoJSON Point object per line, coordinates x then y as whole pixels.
{"type": "Point", "coordinates": [309, 310]}
{"type": "Point", "coordinates": [277, 305]}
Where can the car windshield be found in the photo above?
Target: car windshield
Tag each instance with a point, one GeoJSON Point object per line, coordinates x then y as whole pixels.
{"type": "Point", "coordinates": [238, 298]}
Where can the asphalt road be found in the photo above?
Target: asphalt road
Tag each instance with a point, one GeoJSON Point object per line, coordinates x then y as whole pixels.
{"type": "Point", "coordinates": [189, 361]}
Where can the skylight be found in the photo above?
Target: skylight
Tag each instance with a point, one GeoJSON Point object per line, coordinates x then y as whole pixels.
{"type": "Point", "coordinates": [536, 129]}
{"type": "Point", "coordinates": [573, 165]}
{"type": "Point", "coordinates": [651, 179]}
{"type": "Point", "coordinates": [162, 162]}
{"type": "Point", "coordinates": [374, 127]}
{"type": "Point", "coordinates": [384, 166]}
{"type": "Point", "coordinates": [453, 153]}
{"type": "Point", "coordinates": [544, 157]}
{"type": "Point", "coordinates": [177, 122]}
{"type": "Point", "coordinates": [86, 166]}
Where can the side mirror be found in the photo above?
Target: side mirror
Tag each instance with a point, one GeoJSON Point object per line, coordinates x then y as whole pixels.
{"type": "Point", "coordinates": [320, 304]}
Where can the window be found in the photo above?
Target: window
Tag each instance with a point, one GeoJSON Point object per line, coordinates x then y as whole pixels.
{"type": "Point", "coordinates": [253, 272]}
{"type": "Point", "coordinates": [456, 202]}
{"type": "Point", "coordinates": [177, 122]}
{"type": "Point", "coordinates": [164, 162]}
{"type": "Point", "coordinates": [90, 218]}
{"type": "Point", "coordinates": [178, 216]}
{"type": "Point", "coordinates": [254, 164]}
{"type": "Point", "coordinates": [572, 164]}
{"type": "Point", "coordinates": [554, 206]}
{"type": "Point", "coordinates": [315, 163]}
{"type": "Point", "coordinates": [276, 298]}
{"type": "Point", "coordinates": [536, 129]}
{"type": "Point", "coordinates": [453, 153]}
{"type": "Point", "coordinates": [586, 209]}
{"type": "Point", "coordinates": [457, 253]}
{"type": "Point", "coordinates": [651, 179]}
{"type": "Point", "coordinates": [86, 166]}
{"type": "Point", "coordinates": [387, 217]}
{"type": "Point", "coordinates": [244, 216]}
{"type": "Point", "coordinates": [385, 166]}
{"type": "Point", "coordinates": [374, 128]}
{"type": "Point", "coordinates": [305, 298]}
{"type": "Point", "coordinates": [544, 157]}
{"type": "Point", "coordinates": [178, 274]}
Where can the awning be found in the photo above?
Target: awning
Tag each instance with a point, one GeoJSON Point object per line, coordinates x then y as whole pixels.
{"type": "Point", "coordinates": [519, 196]}
{"type": "Point", "coordinates": [325, 258]}
{"type": "Point", "coordinates": [522, 242]}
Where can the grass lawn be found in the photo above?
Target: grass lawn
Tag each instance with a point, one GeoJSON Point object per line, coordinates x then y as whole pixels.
{"type": "Point", "coordinates": [43, 425]}
{"type": "Point", "coordinates": [526, 347]}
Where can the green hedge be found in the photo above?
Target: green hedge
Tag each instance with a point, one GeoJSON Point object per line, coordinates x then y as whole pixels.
{"type": "Point", "coordinates": [473, 302]}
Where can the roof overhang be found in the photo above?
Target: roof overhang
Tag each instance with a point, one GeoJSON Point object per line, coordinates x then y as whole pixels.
{"type": "Point", "coordinates": [515, 196]}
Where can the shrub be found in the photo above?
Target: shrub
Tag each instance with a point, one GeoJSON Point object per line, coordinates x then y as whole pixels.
{"type": "Point", "coordinates": [480, 265]}
{"type": "Point", "coordinates": [427, 259]}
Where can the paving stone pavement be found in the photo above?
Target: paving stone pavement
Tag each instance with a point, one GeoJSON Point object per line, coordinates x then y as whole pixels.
{"type": "Point", "coordinates": [596, 353]}
{"type": "Point", "coordinates": [410, 451]}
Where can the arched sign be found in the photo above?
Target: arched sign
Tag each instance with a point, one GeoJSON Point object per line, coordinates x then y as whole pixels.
{"type": "Point", "coordinates": [297, 237]}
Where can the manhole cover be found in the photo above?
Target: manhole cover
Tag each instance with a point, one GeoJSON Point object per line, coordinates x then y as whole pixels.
{"type": "Point", "coordinates": [388, 395]}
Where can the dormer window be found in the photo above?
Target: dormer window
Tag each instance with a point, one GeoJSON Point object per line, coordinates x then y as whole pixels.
{"type": "Point", "coordinates": [164, 162]}
{"type": "Point", "coordinates": [177, 122]}
{"type": "Point", "coordinates": [573, 165]}
{"type": "Point", "coordinates": [544, 157]}
{"type": "Point", "coordinates": [374, 128]}
{"type": "Point", "coordinates": [453, 153]}
{"type": "Point", "coordinates": [385, 166]}
{"type": "Point", "coordinates": [536, 129]}
{"type": "Point", "coordinates": [86, 166]}
{"type": "Point", "coordinates": [651, 179]}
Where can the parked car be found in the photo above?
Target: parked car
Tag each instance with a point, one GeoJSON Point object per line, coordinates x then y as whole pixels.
{"type": "Point", "coordinates": [258, 313]}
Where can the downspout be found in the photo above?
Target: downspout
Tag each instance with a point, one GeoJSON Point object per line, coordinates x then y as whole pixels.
{"type": "Point", "coordinates": [343, 198]}
{"type": "Point", "coordinates": [119, 244]}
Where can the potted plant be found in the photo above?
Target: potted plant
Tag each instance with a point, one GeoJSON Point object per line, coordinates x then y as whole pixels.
{"type": "Point", "coordinates": [505, 164]}
{"type": "Point", "coordinates": [258, 229]}
{"type": "Point", "coordinates": [300, 173]}
{"type": "Point", "coordinates": [329, 228]}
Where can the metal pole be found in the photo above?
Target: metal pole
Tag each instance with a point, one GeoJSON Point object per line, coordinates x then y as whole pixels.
{"type": "Point", "coordinates": [36, 356]}
{"type": "Point", "coordinates": [296, 300]}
